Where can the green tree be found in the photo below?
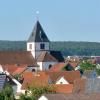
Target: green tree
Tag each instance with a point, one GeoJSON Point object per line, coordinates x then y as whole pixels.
{"type": "Point", "coordinates": [2, 96]}
{"type": "Point", "coordinates": [16, 76]}
{"type": "Point", "coordinates": [35, 92]}
{"type": "Point", "coordinates": [8, 92]}
{"type": "Point", "coordinates": [25, 97]}
{"type": "Point", "coordinates": [86, 65]}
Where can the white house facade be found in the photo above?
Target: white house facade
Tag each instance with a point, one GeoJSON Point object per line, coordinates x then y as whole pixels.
{"type": "Point", "coordinates": [43, 98]}
{"type": "Point", "coordinates": [62, 80]}
{"type": "Point", "coordinates": [45, 65]}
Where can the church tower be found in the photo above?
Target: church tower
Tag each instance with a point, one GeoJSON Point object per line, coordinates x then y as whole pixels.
{"type": "Point", "coordinates": [38, 41]}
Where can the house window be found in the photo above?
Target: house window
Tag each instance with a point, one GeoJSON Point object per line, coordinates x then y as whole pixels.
{"type": "Point", "coordinates": [42, 46]}
{"type": "Point", "coordinates": [61, 82]}
{"type": "Point", "coordinates": [30, 46]}
{"type": "Point", "coordinates": [50, 66]}
{"type": "Point", "coordinates": [33, 70]}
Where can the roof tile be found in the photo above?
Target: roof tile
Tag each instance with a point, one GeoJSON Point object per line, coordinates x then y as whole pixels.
{"type": "Point", "coordinates": [17, 57]}
{"type": "Point", "coordinates": [38, 34]}
{"type": "Point", "coordinates": [46, 57]}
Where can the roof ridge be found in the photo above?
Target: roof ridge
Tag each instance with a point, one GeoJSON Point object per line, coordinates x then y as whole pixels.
{"type": "Point", "coordinates": [45, 53]}
{"type": "Point", "coordinates": [35, 28]}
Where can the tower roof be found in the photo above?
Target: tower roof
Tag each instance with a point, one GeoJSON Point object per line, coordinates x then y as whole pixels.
{"type": "Point", "coordinates": [38, 34]}
{"type": "Point", "coordinates": [46, 57]}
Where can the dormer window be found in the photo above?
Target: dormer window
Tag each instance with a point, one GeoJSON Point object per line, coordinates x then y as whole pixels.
{"type": "Point", "coordinates": [42, 46]}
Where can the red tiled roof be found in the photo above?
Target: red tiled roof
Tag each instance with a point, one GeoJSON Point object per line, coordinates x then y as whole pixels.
{"type": "Point", "coordinates": [11, 68]}
{"type": "Point", "coordinates": [34, 79]}
{"type": "Point", "coordinates": [46, 57]}
{"type": "Point", "coordinates": [79, 86]}
{"type": "Point", "coordinates": [41, 78]}
{"type": "Point", "coordinates": [58, 67]}
{"type": "Point", "coordinates": [19, 70]}
{"type": "Point", "coordinates": [63, 88]}
{"type": "Point", "coordinates": [70, 76]}
{"type": "Point", "coordinates": [16, 57]}
{"type": "Point", "coordinates": [70, 96]}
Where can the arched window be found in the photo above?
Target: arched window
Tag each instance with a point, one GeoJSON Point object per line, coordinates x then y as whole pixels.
{"type": "Point", "coordinates": [50, 66]}
{"type": "Point", "coordinates": [33, 70]}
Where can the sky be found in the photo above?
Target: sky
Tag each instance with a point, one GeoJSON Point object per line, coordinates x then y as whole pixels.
{"type": "Point", "coordinates": [62, 20]}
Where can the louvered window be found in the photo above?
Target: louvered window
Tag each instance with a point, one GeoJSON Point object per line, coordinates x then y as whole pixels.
{"type": "Point", "coordinates": [30, 46]}
{"type": "Point", "coordinates": [42, 46]}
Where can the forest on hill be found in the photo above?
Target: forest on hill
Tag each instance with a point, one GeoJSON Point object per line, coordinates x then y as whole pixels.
{"type": "Point", "coordinates": [66, 47]}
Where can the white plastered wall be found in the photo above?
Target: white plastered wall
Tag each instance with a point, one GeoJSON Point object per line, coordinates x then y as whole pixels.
{"type": "Point", "coordinates": [36, 50]}
{"type": "Point", "coordinates": [42, 98]}
{"type": "Point", "coordinates": [62, 80]}
{"type": "Point", "coordinates": [45, 65]}
{"type": "Point", "coordinates": [37, 45]}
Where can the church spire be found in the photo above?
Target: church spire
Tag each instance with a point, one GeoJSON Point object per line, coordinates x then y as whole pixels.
{"type": "Point", "coordinates": [38, 34]}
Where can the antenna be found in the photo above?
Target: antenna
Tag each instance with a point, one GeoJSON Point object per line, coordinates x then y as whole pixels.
{"type": "Point", "coordinates": [37, 15]}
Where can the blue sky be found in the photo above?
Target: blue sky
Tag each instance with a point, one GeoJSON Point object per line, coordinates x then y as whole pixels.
{"type": "Point", "coordinates": [62, 20]}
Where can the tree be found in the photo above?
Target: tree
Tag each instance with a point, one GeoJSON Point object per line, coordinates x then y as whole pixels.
{"type": "Point", "coordinates": [35, 92]}
{"type": "Point", "coordinates": [38, 91]}
{"type": "Point", "coordinates": [25, 97]}
{"type": "Point", "coordinates": [86, 65]}
{"type": "Point", "coordinates": [98, 71]}
{"type": "Point", "coordinates": [17, 76]}
{"type": "Point", "coordinates": [8, 92]}
{"type": "Point", "coordinates": [2, 96]}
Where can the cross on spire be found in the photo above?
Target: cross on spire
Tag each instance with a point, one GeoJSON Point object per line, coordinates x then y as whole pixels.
{"type": "Point", "coordinates": [37, 15]}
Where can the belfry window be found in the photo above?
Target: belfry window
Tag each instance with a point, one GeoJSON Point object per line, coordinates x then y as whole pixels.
{"type": "Point", "coordinates": [42, 46]}
{"type": "Point", "coordinates": [30, 46]}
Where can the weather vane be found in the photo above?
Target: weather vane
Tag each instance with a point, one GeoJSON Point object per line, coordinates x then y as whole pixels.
{"type": "Point", "coordinates": [37, 15]}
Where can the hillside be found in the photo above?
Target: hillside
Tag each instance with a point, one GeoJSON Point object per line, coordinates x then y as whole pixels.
{"type": "Point", "coordinates": [67, 48]}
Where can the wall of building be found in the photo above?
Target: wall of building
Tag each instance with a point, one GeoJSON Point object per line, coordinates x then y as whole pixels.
{"type": "Point", "coordinates": [28, 46]}
{"type": "Point", "coordinates": [37, 45]}
{"type": "Point", "coordinates": [45, 65]}
{"type": "Point", "coordinates": [40, 65]}
{"type": "Point", "coordinates": [36, 50]}
{"type": "Point", "coordinates": [17, 88]}
{"type": "Point", "coordinates": [62, 80]}
{"type": "Point", "coordinates": [30, 68]}
{"type": "Point", "coordinates": [42, 98]}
